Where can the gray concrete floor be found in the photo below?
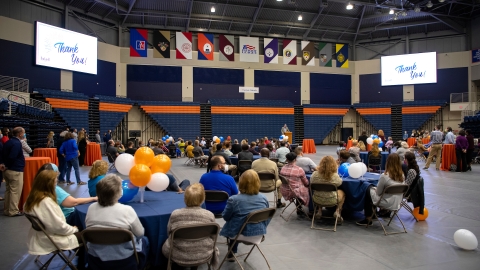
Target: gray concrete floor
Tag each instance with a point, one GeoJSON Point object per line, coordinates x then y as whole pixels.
{"type": "Point", "coordinates": [452, 200]}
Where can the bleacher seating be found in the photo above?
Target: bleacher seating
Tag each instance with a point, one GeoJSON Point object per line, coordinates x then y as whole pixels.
{"type": "Point", "coordinates": [3, 106]}
{"type": "Point", "coordinates": [321, 119]}
{"type": "Point", "coordinates": [416, 113]}
{"type": "Point", "coordinates": [251, 119]}
{"type": "Point", "coordinates": [378, 114]}
{"type": "Point", "coordinates": [112, 110]}
{"type": "Point", "coordinates": [472, 122]}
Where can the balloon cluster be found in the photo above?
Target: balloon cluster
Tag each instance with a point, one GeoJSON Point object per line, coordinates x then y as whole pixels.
{"type": "Point", "coordinates": [218, 139]}
{"type": "Point", "coordinates": [375, 138]}
{"type": "Point", "coordinates": [356, 170]}
{"type": "Point", "coordinates": [343, 170]}
{"type": "Point", "coordinates": [144, 169]}
{"type": "Point", "coordinates": [283, 137]}
{"type": "Point", "coordinates": [167, 138]}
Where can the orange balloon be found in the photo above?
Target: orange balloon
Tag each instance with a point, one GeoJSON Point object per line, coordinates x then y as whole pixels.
{"type": "Point", "coordinates": [377, 141]}
{"type": "Point", "coordinates": [417, 215]}
{"type": "Point", "coordinates": [161, 164]}
{"type": "Point", "coordinates": [140, 175]}
{"type": "Point", "coordinates": [144, 155]}
{"type": "Point", "coordinates": [217, 140]}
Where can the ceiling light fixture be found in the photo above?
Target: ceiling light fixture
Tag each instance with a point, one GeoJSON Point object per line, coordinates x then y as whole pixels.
{"type": "Point", "coordinates": [349, 6]}
{"type": "Point", "coordinates": [300, 17]}
{"type": "Point", "coordinates": [404, 13]}
{"type": "Point", "coordinates": [279, 0]}
{"type": "Point", "coordinates": [429, 4]}
{"type": "Point", "coordinates": [212, 9]}
{"type": "Point", "coordinates": [417, 8]}
{"type": "Point", "coordinates": [441, 1]}
{"type": "Point", "coordinates": [391, 11]}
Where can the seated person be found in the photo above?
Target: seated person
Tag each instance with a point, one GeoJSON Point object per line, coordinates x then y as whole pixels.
{"type": "Point", "coordinates": [402, 148]}
{"type": "Point", "coordinates": [120, 147]}
{"type": "Point", "coordinates": [239, 206]}
{"type": "Point", "coordinates": [261, 144]}
{"type": "Point", "coordinates": [244, 155]}
{"type": "Point", "coordinates": [162, 146]}
{"type": "Point", "coordinates": [374, 156]}
{"type": "Point", "coordinates": [216, 179]}
{"type": "Point", "coordinates": [341, 146]}
{"type": "Point", "coordinates": [327, 173]}
{"type": "Point", "coordinates": [198, 151]}
{"type": "Point", "coordinates": [264, 164]}
{"type": "Point", "coordinates": [112, 150]}
{"type": "Point", "coordinates": [173, 186]}
{"type": "Point", "coordinates": [345, 157]}
{"type": "Point", "coordinates": [412, 168]}
{"type": "Point", "coordinates": [41, 203]}
{"type": "Point", "coordinates": [252, 149]}
{"type": "Point", "coordinates": [272, 151]}
{"type": "Point", "coordinates": [232, 169]}
{"type": "Point", "coordinates": [393, 175]}
{"type": "Point", "coordinates": [97, 172]}
{"type": "Point", "coordinates": [305, 163]}
{"type": "Point", "coordinates": [298, 182]}
{"type": "Point", "coordinates": [355, 151]}
{"type": "Point", "coordinates": [226, 148]}
{"type": "Point", "coordinates": [236, 147]}
{"type": "Point", "coordinates": [172, 150]}
{"type": "Point", "coordinates": [362, 146]}
{"type": "Point", "coordinates": [108, 213]}
{"type": "Point", "coordinates": [189, 149]}
{"type": "Point", "coordinates": [281, 153]}
{"type": "Point", "coordinates": [421, 149]}
{"type": "Point", "coordinates": [181, 146]}
{"type": "Point", "coordinates": [187, 252]}
{"type": "Point", "coordinates": [156, 150]}
{"type": "Point", "coordinates": [130, 149]}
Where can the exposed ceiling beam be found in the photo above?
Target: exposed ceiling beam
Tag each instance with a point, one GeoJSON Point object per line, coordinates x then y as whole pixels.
{"type": "Point", "coordinates": [189, 16]}
{"type": "Point", "coordinates": [87, 27]}
{"type": "Point", "coordinates": [359, 24]}
{"type": "Point", "coordinates": [387, 48]}
{"type": "Point", "coordinates": [90, 7]}
{"type": "Point", "coordinates": [255, 16]}
{"type": "Point", "coordinates": [113, 5]}
{"type": "Point", "coordinates": [394, 26]}
{"type": "Point", "coordinates": [313, 22]}
{"type": "Point", "coordinates": [108, 13]}
{"type": "Point", "coordinates": [450, 23]}
{"type": "Point", "coordinates": [128, 11]}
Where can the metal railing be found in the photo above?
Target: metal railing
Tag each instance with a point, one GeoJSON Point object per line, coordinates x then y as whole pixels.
{"type": "Point", "coordinates": [17, 99]}
{"type": "Point", "coordinates": [40, 105]}
{"type": "Point", "coordinates": [14, 84]}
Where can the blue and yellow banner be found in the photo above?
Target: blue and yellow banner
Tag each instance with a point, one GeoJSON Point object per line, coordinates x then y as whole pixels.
{"type": "Point", "coordinates": [342, 55]}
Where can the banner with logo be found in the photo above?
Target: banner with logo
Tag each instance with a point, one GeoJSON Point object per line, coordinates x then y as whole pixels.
{"type": "Point", "coordinates": [325, 54]}
{"type": "Point", "coordinates": [138, 42]}
{"type": "Point", "coordinates": [161, 44]}
{"type": "Point", "coordinates": [184, 45]}
{"type": "Point", "coordinates": [205, 47]}
{"type": "Point", "coordinates": [342, 55]}
{"type": "Point", "coordinates": [227, 48]}
{"type": "Point", "coordinates": [249, 49]}
{"type": "Point", "coordinates": [308, 53]}
{"type": "Point", "coordinates": [476, 56]}
{"type": "Point", "coordinates": [270, 48]}
{"type": "Point", "coordinates": [289, 52]}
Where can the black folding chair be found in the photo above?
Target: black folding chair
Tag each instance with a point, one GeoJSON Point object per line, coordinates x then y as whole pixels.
{"type": "Point", "coordinates": [319, 187]}
{"type": "Point", "coordinates": [375, 162]}
{"type": "Point", "coordinates": [111, 160]}
{"type": "Point", "coordinates": [216, 196]}
{"type": "Point", "coordinates": [406, 197]}
{"type": "Point", "coordinates": [268, 184]}
{"type": "Point", "coordinates": [298, 207]}
{"type": "Point", "coordinates": [243, 166]}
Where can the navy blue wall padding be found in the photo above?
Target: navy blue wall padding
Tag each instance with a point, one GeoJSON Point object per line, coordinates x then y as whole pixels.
{"type": "Point", "coordinates": [371, 85]}
{"type": "Point", "coordinates": [415, 121]}
{"type": "Point", "coordinates": [379, 121]}
{"type": "Point", "coordinates": [449, 80]}
{"type": "Point", "coordinates": [424, 103]}
{"type": "Point", "coordinates": [251, 103]}
{"type": "Point", "coordinates": [217, 83]}
{"type": "Point", "coordinates": [203, 92]}
{"type": "Point", "coordinates": [74, 118]}
{"type": "Point", "coordinates": [330, 88]}
{"type": "Point", "coordinates": [115, 100]}
{"type": "Point", "coordinates": [318, 127]}
{"type": "Point", "coordinates": [18, 60]}
{"type": "Point", "coordinates": [49, 93]}
{"type": "Point", "coordinates": [154, 83]}
{"type": "Point", "coordinates": [278, 85]}
{"type": "Point", "coordinates": [103, 83]}
{"type": "Point", "coordinates": [110, 120]}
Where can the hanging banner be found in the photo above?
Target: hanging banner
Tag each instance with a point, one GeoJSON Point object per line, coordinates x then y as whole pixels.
{"type": "Point", "coordinates": [289, 52]}
{"type": "Point", "coordinates": [227, 48]}
{"type": "Point", "coordinates": [184, 45]}
{"type": "Point", "coordinates": [138, 42]}
{"type": "Point", "coordinates": [308, 53]}
{"type": "Point", "coordinates": [205, 47]}
{"type": "Point", "coordinates": [325, 54]}
{"type": "Point", "coordinates": [342, 55]}
{"type": "Point", "coordinates": [270, 55]}
{"type": "Point", "coordinates": [161, 44]}
{"type": "Point", "coordinates": [249, 49]}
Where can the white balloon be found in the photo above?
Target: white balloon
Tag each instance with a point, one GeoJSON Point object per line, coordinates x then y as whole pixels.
{"type": "Point", "coordinates": [215, 138]}
{"type": "Point", "coordinates": [363, 166]}
{"type": "Point", "coordinates": [286, 137]}
{"type": "Point", "coordinates": [124, 163]}
{"type": "Point", "coordinates": [355, 170]}
{"type": "Point", "coordinates": [158, 182]}
{"type": "Point", "coordinates": [465, 239]}
{"type": "Point", "coordinates": [369, 141]}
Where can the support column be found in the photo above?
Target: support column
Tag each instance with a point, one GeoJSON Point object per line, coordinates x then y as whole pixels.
{"type": "Point", "coordinates": [249, 80]}
{"type": "Point", "coordinates": [187, 83]}
{"type": "Point", "coordinates": [305, 87]}
{"type": "Point", "coordinates": [66, 80]}
{"type": "Point", "coordinates": [407, 42]}
{"type": "Point", "coordinates": [121, 81]}
{"type": "Point", "coordinates": [65, 16]}
{"type": "Point", "coordinates": [120, 35]}
{"type": "Point", "coordinates": [408, 92]}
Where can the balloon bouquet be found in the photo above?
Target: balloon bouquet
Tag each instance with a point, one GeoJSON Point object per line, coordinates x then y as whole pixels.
{"type": "Point", "coordinates": [218, 139]}
{"type": "Point", "coordinates": [283, 137]}
{"type": "Point", "coordinates": [375, 138]}
{"type": "Point", "coordinates": [144, 169]}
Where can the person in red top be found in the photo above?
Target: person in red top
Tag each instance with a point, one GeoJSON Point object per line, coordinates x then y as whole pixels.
{"type": "Point", "coordinates": [298, 182]}
{"type": "Point", "coordinates": [266, 141]}
{"type": "Point", "coordinates": [5, 132]}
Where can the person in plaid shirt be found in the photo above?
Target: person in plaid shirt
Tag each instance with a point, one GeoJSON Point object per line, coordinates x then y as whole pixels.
{"type": "Point", "coordinates": [298, 182]}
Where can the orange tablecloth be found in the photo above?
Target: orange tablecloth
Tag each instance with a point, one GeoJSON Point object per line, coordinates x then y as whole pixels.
{"type": "Point", "coordinates": [93, 154]}
{"type": "Point", "coordinates": [349, 144]}
{"type": "Point", "coordinates": [448, 157]}
{"type": "Point", "coordinates": [32, 164]}
{"type": "Point", "coordinates": [411, 141]}
{"type": "Point", "coordinates": [426, 140]}
{"type": "Point", "coordinates": [46, 152]}
{"type": "Point", "coordinates": [369, 147]}
{"type": "Point", "coordinates": [309, 146]}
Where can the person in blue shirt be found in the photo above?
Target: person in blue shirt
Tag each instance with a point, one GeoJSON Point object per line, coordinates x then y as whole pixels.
{"type": "Point", "coordinates": [450, 137]}
{"type": "Point", "coordinates": [216, 179]}
{"type": "Point", "coordinates": [97, 172]}
{"type": "Point", "coordinates": [69, 151]}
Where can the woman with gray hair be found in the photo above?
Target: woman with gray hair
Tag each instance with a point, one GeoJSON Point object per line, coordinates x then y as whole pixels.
{"type": "Point", "coordinates": [108, 213]}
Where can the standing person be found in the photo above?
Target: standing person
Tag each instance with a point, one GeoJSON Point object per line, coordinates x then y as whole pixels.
{"type": "Point", "coordinates": [436, 148]}
{"type": "Point", "coordinates": [363, 138]}
{"type": "Point", "coordinates": [82, 147]}
{"type": "Point", "coordinates": [50, 140]}
{"type": "Point", "coordinates": [285, 129]}
{"type": "Point", "coordinates": [62, 164]}
{"type": "Point", "coordinates": [14, 163]}
{"type": "Point", "coordinates": [450, 137]}
{"type": "Point", "coordinates": [405, 136]}
{"type": "Point", "coordinates": [25, 148]}
{"type": "Point", "coordinates": [5, 133]}
{"type": "Point", "coordinates": [381, 135]}
{"type": "Point", "coordinates": [471, 147]}
{"type": "Point", "coordinates": [69, 150]}
{"type": "Point", "coordinates": [461, 146]}
{"type": "Point", "coordinates": [75, 134]}
{"type": "Point", "coordinates": [97, 137]}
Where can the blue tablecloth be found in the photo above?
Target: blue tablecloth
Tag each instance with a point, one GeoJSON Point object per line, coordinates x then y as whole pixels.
{"type": "Point", "coordinates": [154, 214]}
{"type": "Point", "coordinates": [234, 159]}
{"type": "Point", "coordinates": [206, 151]}
{"type": "Point", "coordinates": [364, 157]}
{"type": "Point", "coordinates": [354, 191]}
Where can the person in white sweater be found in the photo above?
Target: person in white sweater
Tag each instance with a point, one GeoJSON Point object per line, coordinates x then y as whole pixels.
{"type": "Point", "coordinates": [108, 213]}
{"type": "Point", "coordinates": [41, 203]}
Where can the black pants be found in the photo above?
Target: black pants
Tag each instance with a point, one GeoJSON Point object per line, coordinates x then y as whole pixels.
{"type": "Point", "coordinates": [81, 158]}
{"type": "Point", "coordinates": [469, 156]}
{"type": "Point", "coordinates": [461, 160]}
{"type": "Point", "coordinates": [368, 204]}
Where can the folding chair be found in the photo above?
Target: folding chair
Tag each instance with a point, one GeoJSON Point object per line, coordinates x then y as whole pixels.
{"type": "Point", "coordinates": [325, 188]}
{"type": "Point", "coordinates": [268, 184]}
{"type": "Point", "coordinates": [406, 197]}
{"type": "Point", "coordinates": [190, 160]}
{"type": "Point", "coordinates": [243, 166]}
{"type": "Point", "coordinates": [198, 158]}
{"type": "Point", "coordinates": [253, 218]}
{"type": "Point", "coordinates": [192, 233]}
{"type": "Point", "coordinates": [216, 196]}
{"type": "Point", "coordinates": [274, 160]}
{"type": "Point", "coordinates": [286, 183]}
{"type": "Point", "coordinates": [111, 160]}
{"type": "Point", "coordinates": [38, 226]}
{"type": "Point", "coordinates": [108, 236]}
{"type": "Point", "coordinates": [375, 162]}
{"type": "Point", "coordinates": [419, 156]}
{"type": "Point", "coordinates": [391, 190]}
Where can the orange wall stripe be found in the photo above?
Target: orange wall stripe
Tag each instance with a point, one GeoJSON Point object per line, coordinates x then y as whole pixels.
{"type": "Point", "coordinates": [325, 111]}
{"type": "Point", "coordinates": [250, 110]}
{"type": "Point", "coordinates": [171, 109]}
{"type": "Point", "coordinates": [422, 109]}
{"type": "Point", "coordinates": [112, 107]}
{"type": "Point", "coordinates": [365, 111]}
{"type": "Point", "coordinates": [68, 104]}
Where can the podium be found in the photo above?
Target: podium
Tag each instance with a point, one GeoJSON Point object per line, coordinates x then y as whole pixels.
{"type": "Point", "coordinates": [289, 134]}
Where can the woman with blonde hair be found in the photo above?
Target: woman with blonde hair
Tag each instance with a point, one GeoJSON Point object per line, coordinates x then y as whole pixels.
{"type": "Point", "coordinates": [97, 172]}
{"type": "Point", "coordinates": [187, 252]}
{"type": "Point", "coordinates": [50, 141]}
{"type": "Point", "coordinates": [82, 147]}
{"type": "Point", "coordinates": [362, 146]}
{"type": "Point", "coordinates": [393, 175]}
{"type": "Point", "coordinates": [374, 155]}
{"type": "Point", "coordinates": [327, 173]}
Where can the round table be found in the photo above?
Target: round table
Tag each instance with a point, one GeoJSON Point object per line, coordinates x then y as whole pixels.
{"type": "Point", "coordinates": [47, 152]}
{"type": "Point", "coordinates": [308, 146]}
{"type": "Point", "coordinates": [349, 144]}
{"type": "Point", "coordinates": [32, 164]}
{"type": "Point", "coordinates": [411, 141]}
{"type": "Point", "coordinates": [92, 154]}
{"type": "Point", "coordinates": [448, 157]}
{"type": "Point", "coordinates": [154, 214]}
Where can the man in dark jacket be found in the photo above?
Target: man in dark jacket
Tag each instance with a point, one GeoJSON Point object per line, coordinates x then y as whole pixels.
{"type": "Point", "coordinates": [244, 155]}
{"type": "Point", "coordinates": [62, 164]}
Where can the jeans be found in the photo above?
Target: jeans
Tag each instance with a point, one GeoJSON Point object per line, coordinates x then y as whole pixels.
{"type": "Point", "coordinates": [368, 204]}
{"type": "Point", "coordinates": [62, 168]}
{"type": "Point", "coordinates": [172, 185]}
{"type": "Point", "coordinates": [461, 160]}
{"type": "Point", "coordinates": [73, 163]}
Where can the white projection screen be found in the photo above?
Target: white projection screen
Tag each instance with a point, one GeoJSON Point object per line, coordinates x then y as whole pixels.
{"type": "Point", "coordinates": [405, 69]}
{"type": "Point", "coordinates": [59, 48]}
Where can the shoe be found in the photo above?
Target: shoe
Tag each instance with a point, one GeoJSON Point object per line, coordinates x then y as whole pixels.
{"type": "Point", "coordinates": [437, 169]}
{"type": "Point", "coordinates": [70, 183]}
{"type": "Point", "coordinates": [19, 214]}
{"type": "Point", "coordinates": [364, 222]}
{"type": "Point", "coordinates": [61, 182]}
{"type": "Point", "coordinates": [230, 257]}
{"type": "Point", "coordinates": [425, 168]}
{"type": "Point", "coordinates": [81, 183]}
{"type": "Point", "coordinates": [280, 205]}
